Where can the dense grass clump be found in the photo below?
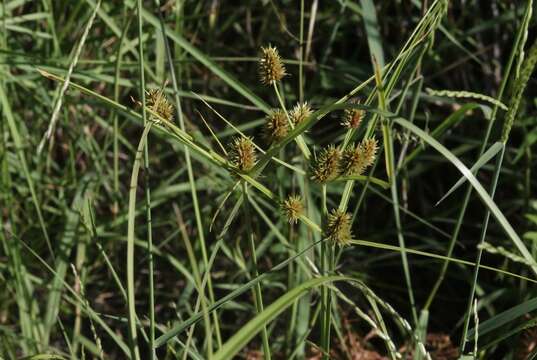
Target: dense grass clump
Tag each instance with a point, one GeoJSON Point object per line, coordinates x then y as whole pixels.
{"type": "Point", "coordinates": [280, 179]}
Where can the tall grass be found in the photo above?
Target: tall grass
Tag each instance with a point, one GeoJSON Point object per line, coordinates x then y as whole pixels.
{"type": "Point", "coordinates": [291, 157]}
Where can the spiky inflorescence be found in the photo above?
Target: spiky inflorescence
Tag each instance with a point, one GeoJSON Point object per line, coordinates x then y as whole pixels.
{"type": "Point", "coordinates": [300, 112]}
{"type": "Point", "coordinates": [352, 117]}
{"type": "Point", "coordinates": [369, 149]}
{"type": "Point", "coordinates": [242, 153]}
{"type": "Point", "coordinates": [277, 125]}
{"type": "Point", "coordinates": [157, 101]}
{"type": "Point", "coordinates": [271, 68]}
{"type": "Point", "coordinates": [353, 161]}
{"type": "Point", "coordinates": [326, 168]}
{"type": "Point", "coordinates": [338, 227]}
{"type": "Point", "coordinates": [292, 208]}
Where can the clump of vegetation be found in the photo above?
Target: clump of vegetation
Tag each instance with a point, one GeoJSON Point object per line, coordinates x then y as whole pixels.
{"type": "Point", "coordinates": [142, 218]}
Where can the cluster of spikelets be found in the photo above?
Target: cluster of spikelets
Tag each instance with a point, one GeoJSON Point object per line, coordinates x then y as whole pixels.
{"type": "Point", "coordinates": [277, 125]}
{"type": "Point", "coordinates": [271, 68]}
{"type": "Point", "coordinates": [338, 227]}
{"type": "Point", "coordinates": [338, 222]}
{"type": "Point", "coordinates": [158, 103]}
{"type": "Point", "coordinates": [354, 160]}
{"type": "Point", "coordinates": [293, 208]}
{"type": "Point", "coordinates": [352, 118]}
{"type": "Point", "coordinates": [242, 154]}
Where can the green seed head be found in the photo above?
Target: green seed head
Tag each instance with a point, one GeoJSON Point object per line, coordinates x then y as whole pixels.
{"type": "Point", "coordinates": [338, 227]}
{"type": "Point", "coordinates": [326, 168]}
{"type": "Point", "coordinates": [271, 68]}
{"type": "Point", "coordinates": [300, 112]}
{"type": "Point", "coordinates": [353, 161]}
{"type": "Point", "coordinates": [242, 154]}
{"type": "Point", "coordinates": [352, 117]}
{"type": "Point", "coordinates": [277, 126]}
{"type": "Point", "coordinates": [369, 150]}
{"type": "Point", "coordinates": [292, 208]}
{"type": "Point", "coordinates": [157, 101]}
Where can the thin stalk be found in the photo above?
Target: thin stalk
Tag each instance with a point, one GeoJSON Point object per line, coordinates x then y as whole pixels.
{"type": "Point", "coordinates": [390, 170]}
{"type": "Point", "coordinates": [301, 55]}
{"type": "Point", "coordinates": [115, 114]}
{"type": "Point", "coordinates": [325, 291]}
{"type": "Point", "coordinates": [520, 86]}
{"type": "Point", "coordinates": [509, 120]}
{"type": "Point", "coordinates": [191, 179]}
{"type": "Point", "coordinates": [197, 277]}
{"type": "Point", "coordinates": [133, 341]}
{"type": "Point", "coordinates": [258, 296]}
{"type": "Point", "coordinates": [484, 228]}
{"type": "Point", "coordinates": [147, 188]}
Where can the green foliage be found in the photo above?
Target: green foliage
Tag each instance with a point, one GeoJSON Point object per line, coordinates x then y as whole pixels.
{"type": "Point", "coordinates": [128, 230]}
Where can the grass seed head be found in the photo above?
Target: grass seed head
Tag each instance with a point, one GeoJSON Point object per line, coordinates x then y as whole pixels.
{"type": "Point", "coordinates": [277, 125]}
{"type": "Point", "coordinates": [352, 117]}
{"type": "Point", "coordinates": [353, 161]}
{"type": "Point", "coordinates": [157, 101]}
{"type": "Point", "coordinates": [338, 227]}
{"type": "Point", "coordinates": [292, 208]}
{"type": "Point", "coordinates": [327, 166]}
{"type": "Point", "coordinates": [300, 112]}
{"type": "Point", "coordinates": [271, 68]}
{"type": "Point", "coordinates": [369, 150]}
{"type": "Point", "coordinates": [242, 153]}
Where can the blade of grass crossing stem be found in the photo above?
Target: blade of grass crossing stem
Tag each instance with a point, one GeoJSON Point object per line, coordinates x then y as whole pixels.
{"type": "Point", "coordinates": [257, 294]}
{"type": "Point", "coordinates": [485, 158]}
{"type": "Point", "coordinates": [8, 114]}
{"type": "Point", "coordinates": [163, 339]}
{"type": "Point", "coordinates": [299, 139]}
{"type": "Point", "coordinates": [390, 170]}
{"type": "Point", "coordinates": [133, 341]}
{"type": "Point", "coordinates": [489, 203]}
{"type": "Point", "coordinates": [191, 179]}
{"type": "Point", "coordinates": [520, 84]}
{"type": "Point", "coordinates": [249, 330]}
{"type": "Point", "coordinates": [146, 187]}
{"type": "Point", "coordinates": [59, 100]}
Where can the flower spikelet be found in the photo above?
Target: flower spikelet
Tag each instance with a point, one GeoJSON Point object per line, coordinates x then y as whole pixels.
{"type": "Point", "coordinates": [300, 112]}
{"type": "Point", "coordinates": [292, 208]}
{"type": "Point", "coordinates": [353, 161]}
{"type": "Point", "coordinates": [369, 150]}
{"type": "Point", "coordinates": [338, 227]}
{"type": "Point", "coordinates": [352, 117]}
{"type": "Point", "coordinates": [277, 125]}
{"type": "Point", "coordinates": [271, 68]}
{"type": "Point", "coordinates": [242, 154]}
{"type": "Point", "coordinates": [157, 101]}
{"type": "Point", "coordinates": [326, 168]}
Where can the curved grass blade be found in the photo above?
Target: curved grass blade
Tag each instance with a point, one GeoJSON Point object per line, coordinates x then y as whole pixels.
{"type": "Point", "coordinates": [135, 352]}
{"type": "Point", "coordinates": [163, 339]}
{"type": "Point", "coordinates": [248, 331]}
{"type": "Point", "coordinates": [483, 194]}
{"type": "Point", "coordinates": [489, 154]}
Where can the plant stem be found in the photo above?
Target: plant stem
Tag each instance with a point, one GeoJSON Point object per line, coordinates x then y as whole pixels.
{"type": "Point", "coordinates": [258, 295]}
